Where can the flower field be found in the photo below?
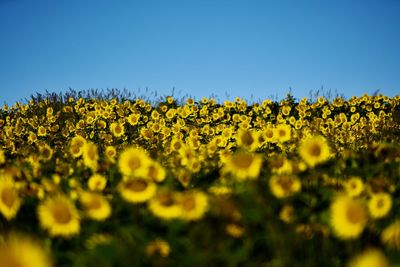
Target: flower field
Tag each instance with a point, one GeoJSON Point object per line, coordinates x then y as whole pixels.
{"type": "Point", "coordinates": [125, 182]}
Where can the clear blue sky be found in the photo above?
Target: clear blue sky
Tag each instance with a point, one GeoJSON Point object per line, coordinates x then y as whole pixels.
{"type": "Point", "coordinates": [206, 47]}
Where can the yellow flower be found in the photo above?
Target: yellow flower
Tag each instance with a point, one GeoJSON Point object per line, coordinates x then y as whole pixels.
{"type": "Point", "coordinates": [56, 179]}
{"type": "Point", "coordinates": [97, 182]}
{"type": "Point", "coordinates": [176, 144]}
{"type": "Point", "coordinates": [269, 134]}
{"type": "Point", "coordinates": [59, 216]}
{"type": "Point", "coordinates": [46, 152]}
{"type": "Point", "coordinates": [282, 166]}
{"type": "Point", "coordinates": [159, 247]}
{"type": "Point", "coordinates": [314, 150]}
{"type": "Point", "coordinates": [48, 185]}
{"type": "Point", "coordinates": [284, 185]}
{"type": "Point", "coordinates": [2, 156]}
{"type": "Point", "coordinates": [348, 217]}
{"type": "Point", "coordinates": [193, 204]}
{"type": "Point", "coordinates": [156, 172]}
{"type": "Point", "coordinates": [75, 151]}
{"type": "Point", "coordinates": [41, 131]}
{"type": "Point", "coordinates": [137, 190]}
{"type": "Point", "coordinates": [391, 235]}
{"type": "Point", "coordinates": [170, 99]}
{"type": "Point", "coordinates": [247, 140]}
{"type": "Point", "coordinates": [354, 186]}
{"type": "Point", "coordinates": [234, 230]}
{"type": "Point", "coordinates": [170, 113]}
{"type": "Point", "coordinates": [187, 155]}
{"type": "Point", "coordinates": [76, 146]}
{"type": "Point", "coordinates": [287, 214]}
{"type": "Point", "coordinates": [195, 166]}
{"type": "Point", "coordinates": [244, 165]}
{"type": "Point", "coordinates": [369, 258]}
{"type": "Point", "coordinates": [166, 205]}
{"type": "Point", "coordinates": [283, 132]}
{"type": "Point", "coordinates": [110, 153]}
{"type": "Point", "coordinates": [10, 202]}
{"type": "Point", "coordinates": [96, 206]}
{"type": "Point", "coordinates": [379, 205]}
{"type": "Point", "coordinates": [23, 251]}
{"type": "Point", "coordinates": [90, 156]}
{"type": "Point", "coordinates": [133, 119]}
{"type": "Point", "coordinates": [184, 176]}
{"type": "Point", "coordinates": [117, 129]}
{"type": "Point", "coordinates": [134, 162]}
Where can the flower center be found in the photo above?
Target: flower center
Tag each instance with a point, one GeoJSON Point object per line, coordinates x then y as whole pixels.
{"type": "Point", "coordinates": [76, 149]}
{"type": "Point", "coordinates": [269, 134]}
{"type": "Point", "coordinates": [134, 163]}
{"type": "Point", "coordinates": [315, 150]}
{"type": "Point", "coordinates": [247, 139]}
{"type": "Point", "coordinates": [355, 213]}
{"type": "Point", "coordinates": [285, 183]}
{"type": "Point", "coordinates": [137, 185]}
{"type": "Point", "coordinates": [61, 213]}
{"type": "Point", "coordinates": [94, 202]}
{"type": "Point", "coordinates": [380, 203]}
{"type": "Point", "coordinates": [189, 203]}
{"type": "Point", "coordinates": [242, 161]}
{"type": "Point", "coordinates": [177, 146]}
{"type": "Point", "coordinates": [166, 200]}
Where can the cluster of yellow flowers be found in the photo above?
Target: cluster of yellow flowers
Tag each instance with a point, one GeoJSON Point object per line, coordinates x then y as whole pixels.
{"type": "Point", "coordinates": [77, 160]}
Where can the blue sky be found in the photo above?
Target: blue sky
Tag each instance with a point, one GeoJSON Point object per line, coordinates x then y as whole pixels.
{"type": "Point", "coordinates": [201, 48]}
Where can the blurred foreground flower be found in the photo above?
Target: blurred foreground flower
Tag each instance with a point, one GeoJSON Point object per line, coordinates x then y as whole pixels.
{"type": "Point", "coordinates": [243, 165]}
{"type": "Point", "coordinates": [22, 251]}
{"type": "Point", "coordinates": [391, 235]}
{"type": "Point", "coordinates": [96, 206]}
{"type": "Point", "coordinates": [379, 205]}
{"type": "Point", "coordinates": [137, 190]}
{"type": "Point", "coordinates": [283, 132]}
{"type": "Point", "coordinates": [133, 162]}
{"type": "Point", "coordinates": [90, 156]}
{"type": "Point", "coordinates": [314, 150]}
{"type": "Point", "coordinates": [166, 205]}
{"type": "Point", "coordinates": [284, 185]}
{"type": "Point", "coordinates": [193, 204]}
{"type": "Point", "coordinates": [348, 217]}
{"type": "Point", "coordinates": [354, 186]}
{"type": "Point", "coordinates": [97, 182]}
{"type": "Point", "coordinates": [158, 247]}
{"type": "Point", "coordinates": [59, 216]}
{"type": "Point", "coordinates": [10, 202]}
{"type": "Point", "coordinates": [2, 156]}
{"type": "Point", "coordinates": [370, 258]}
